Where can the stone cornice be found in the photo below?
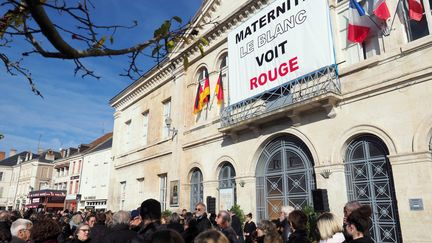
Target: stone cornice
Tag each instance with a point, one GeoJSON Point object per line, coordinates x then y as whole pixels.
{"type": "Point", "coordinates": [157, 76]}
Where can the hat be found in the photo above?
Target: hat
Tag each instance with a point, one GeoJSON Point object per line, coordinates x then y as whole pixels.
{"type": "Point", "coordinates": [134, 214]}
{"type": "Point", "coordinates": [150, 209]}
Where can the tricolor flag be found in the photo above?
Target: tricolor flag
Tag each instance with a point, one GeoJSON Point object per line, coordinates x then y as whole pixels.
{"type": "Point", "coordinates": [381, 10]}
{"type": "Point", "coordinates": [198, 105]}
{"type": "Point", "coordinates": [219, 90]}
{"type": "Point", "coordinates": [415, 10]}
{"type": "Point", "coordinates": [358, 26]}
{"type": "Point", "coordinates": [205, 95]}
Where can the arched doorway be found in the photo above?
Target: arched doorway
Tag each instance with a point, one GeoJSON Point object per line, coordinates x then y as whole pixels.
{"type": "Point", "coordinates": [227, 187]}
{"type": "Point", "coordinates": [197, 189]}
{"type": "Point", "coordinates": [285, 176]}
{"type": "Point", "coordinates": [370, 181]}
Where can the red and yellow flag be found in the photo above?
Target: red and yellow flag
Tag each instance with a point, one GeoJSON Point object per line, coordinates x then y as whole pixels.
{"type": "Point", "coordinates": [205, 95]}
{"type": "Point", "coordinates": [198, 105]}
{"type": "Point", "coordinates": [219, 90]}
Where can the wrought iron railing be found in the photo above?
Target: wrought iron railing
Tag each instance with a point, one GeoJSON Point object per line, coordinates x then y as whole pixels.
{"type": "Point", "coordinates": [320, 82]}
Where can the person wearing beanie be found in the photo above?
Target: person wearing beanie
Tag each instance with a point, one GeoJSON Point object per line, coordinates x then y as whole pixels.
{"type": "Point", "coordinates": [150, 213]}
{"type": "Point", "coordinates": [135, 223]}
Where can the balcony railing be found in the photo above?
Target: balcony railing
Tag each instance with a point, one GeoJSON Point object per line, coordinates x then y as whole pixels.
{"type": "Point", "coordinates": [321, 82]}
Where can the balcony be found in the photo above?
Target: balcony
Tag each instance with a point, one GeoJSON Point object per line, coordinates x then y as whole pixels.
{"type": "Point", "coordinates": [320, 89]}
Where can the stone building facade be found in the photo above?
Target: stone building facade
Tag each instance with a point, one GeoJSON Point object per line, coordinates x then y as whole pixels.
{"type": "Point", "coordinates": [368, 138]}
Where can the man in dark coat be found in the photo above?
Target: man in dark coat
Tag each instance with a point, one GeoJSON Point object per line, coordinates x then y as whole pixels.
{"type": "Point", "coordinates": [150, 212]}
{"type": "Point", "coordinates": [224, 222]}
{"type": "Point", "coordinates": [237, 227]}
{"type": "Point", "coordinates": [99, 230]}
{"type": "Point", "coordinates": [203, 223]}
{"type": "Point", "coordinates": [120, 231]}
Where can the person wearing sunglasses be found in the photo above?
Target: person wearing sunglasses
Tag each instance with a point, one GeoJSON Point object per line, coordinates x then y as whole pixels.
{"type": "Point", "coordinates": [203, 223]}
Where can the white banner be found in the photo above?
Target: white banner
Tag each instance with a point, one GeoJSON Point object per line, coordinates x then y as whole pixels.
{"type": "Point", "coordinates": [280, 43]}
{"type": "Point", "coordinates": [226, 198]}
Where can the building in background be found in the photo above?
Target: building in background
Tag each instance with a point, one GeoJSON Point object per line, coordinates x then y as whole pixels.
{"type": "Point", "coordinates": [95, 176]}
{"type": "Point", "coordinates": [360, 128]}
{"type": "Point", "coordinates": [29, 172]}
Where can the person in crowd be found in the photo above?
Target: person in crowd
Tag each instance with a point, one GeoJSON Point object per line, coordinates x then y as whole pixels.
{"type": "Point", "coordinates": [135, 223]}
{"type": "Point", "coordinates": [120, 231]}
{"type": "Point", "coordinates": [81, 234]}
{"type": "Point", "coordinates": [45, 230]}
{"type": "Point", "coordinates": [75, 221]}
{"type": "Point", "coordinates": [329, 229]}
{"type": "Point", "coordinates": [174, 223]}
{"type": "Point", "coordinates": [164, 218]}
{"type": "Point", "coordinates": [358, 223]}
{"type": "Point", "coordinates": [264, 228]}
{"type": "Point", "coordinates": [90, 220]}
{"type": "Point", "coordinates": [223, 220]}
{"type": "Point", "coordinates": [190, 228]}
{"type": "Point", "coordinates": [249, 228]}
{"type": "Point", "coordinates": [109, 219]}
{"type": "Point", "coordinates": [201, 217]}
{"type": "Point", "coordinates": [298, 221]}
{"type": "Point", "coordinates": [150, 212]}
{"type": "Point", "coordinates": [20, 230]}
{"type": "Point", "coordinates": [66, 232]}
{"type": "Point", "coordinates": [283, 224]}
{"type": "Point", "coordinates": [273, 237]}
{"type": "Point", "coordinates": [348, 208]}
{"type": "Point", "coordinates": [182, 215]}
{"type": "Point", "coordinates": [237, 227]}
{"type": "Point", "coordinates": [211, 236]}
{"type": "Point", "coordinates": [5, 225]}
{"type": "Point", "coordinates": [166, 236]}
{"type": "Point", "coordinates": [212, 219]}
{"type": "Point", "coordinates": [99, 230]}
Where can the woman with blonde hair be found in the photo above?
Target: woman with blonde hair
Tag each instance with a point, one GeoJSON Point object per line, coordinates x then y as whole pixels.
{"type": "Point", "coordinates": [329, 229]}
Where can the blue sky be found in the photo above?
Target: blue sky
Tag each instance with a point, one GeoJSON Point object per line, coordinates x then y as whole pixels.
{"type": "Point", "coordinates": [76, 110]}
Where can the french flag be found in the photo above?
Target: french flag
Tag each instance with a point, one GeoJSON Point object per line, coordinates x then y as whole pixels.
{"type": "Point", "coordinates": [415, 9]}
{"type": "Point", "coordinates": [358, 25]}
{"type": "Point", "coordinates": [381, 10]}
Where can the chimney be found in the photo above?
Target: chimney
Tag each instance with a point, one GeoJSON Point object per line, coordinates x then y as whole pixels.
{"type": "Point", "coordinates": [12, 152]}
{"type": "Point", "coordinates": [2, 155]}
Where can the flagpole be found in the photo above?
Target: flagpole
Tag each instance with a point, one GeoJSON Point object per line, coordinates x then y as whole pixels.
{"type": "Point", "coordinates": [394, 16]}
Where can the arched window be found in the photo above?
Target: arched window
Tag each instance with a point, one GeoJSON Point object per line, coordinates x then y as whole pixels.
{"type": "Point", "coordinates": [223, 63]}
{"type": "Point", "coordinates": [197, 190]}
{"type": "Point", "coordinates": [227, 187]}
{"type": "Point", "coordinates": [370, 181]}
{"type": "Point", "coordinates": [202, 74]}
{"type": "Point", "coordinates": [285, 176]}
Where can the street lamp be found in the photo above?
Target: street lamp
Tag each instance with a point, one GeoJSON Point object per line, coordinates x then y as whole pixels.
{"type": "Point", "coordinates": [168, 122]}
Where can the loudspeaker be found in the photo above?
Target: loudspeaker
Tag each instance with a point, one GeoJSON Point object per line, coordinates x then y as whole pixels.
{"type": "Point", "coordinates": [320, 200]}
{"type": "Point", "coordinates": [211, 204]}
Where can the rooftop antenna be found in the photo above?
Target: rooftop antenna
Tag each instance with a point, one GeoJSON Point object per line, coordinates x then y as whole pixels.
{"type": "Point", "coordinates": [103, 127]}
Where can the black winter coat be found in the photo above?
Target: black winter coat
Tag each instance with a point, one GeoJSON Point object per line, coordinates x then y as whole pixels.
{"type": "Point", "coordinates": [98, 233]}
{"type": "Point", "coordinates": [203, 223]}
{"type": "Point", "coordinates": [120, 233]}
{"type": "Point", "coordinates": [230, 234]}
{"type": "Point", "coordinates": [298, 236]}
{"type": "Point", "coordinates": [144, 234]}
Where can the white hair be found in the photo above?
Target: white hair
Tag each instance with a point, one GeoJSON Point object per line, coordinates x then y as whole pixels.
{"type": "Point", "coordinates": [121, 217]}
{"type": "Point", "coordinates": [19, 224]}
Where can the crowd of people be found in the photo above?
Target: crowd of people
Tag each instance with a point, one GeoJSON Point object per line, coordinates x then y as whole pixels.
{"type": "Point", "coordinates": [147, 224]}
